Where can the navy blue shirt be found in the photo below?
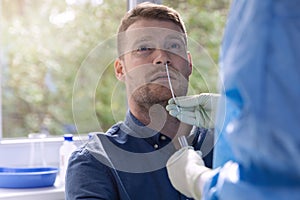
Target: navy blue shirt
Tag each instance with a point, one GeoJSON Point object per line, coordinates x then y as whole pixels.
{"type": "Point", "coordinates": [126, 162]}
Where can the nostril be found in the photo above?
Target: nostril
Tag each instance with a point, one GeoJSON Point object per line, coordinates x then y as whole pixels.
{"type": "Point", "coordinates": [160, 62]}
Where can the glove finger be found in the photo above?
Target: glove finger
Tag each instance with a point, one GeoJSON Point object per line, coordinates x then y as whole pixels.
{"type": "Point", "coordinates": [171, 101]}
{"type": "Point", "coordinates": [175, 107]}
{"type": "Point", "coordinates": [197, 118]}
{"type": "Point", "coordinates": [171, 107]}
{"type": "Point", "coordinates": [187, 113]}
{"type": "Point", "coordinates": [188, 109]}
{"type": "Point", "coordinates": [187, 117]}
{"type": "Point", "coordinates": [174, 113]}
{"type": "Point", "coordinates": [187, 120]}
{"type": "Point", "coordinates": [207, 100]}
{"type": "Point", "coordinates": [181, 115]}
{"type": "Point", "coordinates": [187, 101]}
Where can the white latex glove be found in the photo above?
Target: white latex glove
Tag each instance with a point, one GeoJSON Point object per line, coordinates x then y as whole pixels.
{"type": "Point", "coordinates": [187, 172]}
{"type": "Point", "coordinates": [197, 110]}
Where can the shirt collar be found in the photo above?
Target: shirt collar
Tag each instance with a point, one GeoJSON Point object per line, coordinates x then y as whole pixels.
{"type": "Point", "coordinates": [136, 128]}
{"type": "Point", "coordinates": [132, 126]}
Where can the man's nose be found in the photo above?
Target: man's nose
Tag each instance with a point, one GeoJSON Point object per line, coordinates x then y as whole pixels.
{"type": "Point", "coordinates": [161, 57]}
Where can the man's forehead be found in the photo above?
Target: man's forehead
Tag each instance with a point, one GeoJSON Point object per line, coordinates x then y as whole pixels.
{"type": "Point", "coordinates": [153, 38]}
{"type": "Point", "coordinates": [152, 32]}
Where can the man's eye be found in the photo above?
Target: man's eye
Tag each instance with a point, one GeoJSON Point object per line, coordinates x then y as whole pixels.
{"type": "Point", "coordinates": [141, 49]}
{"type": "Point", "coordinates": [175, 46]}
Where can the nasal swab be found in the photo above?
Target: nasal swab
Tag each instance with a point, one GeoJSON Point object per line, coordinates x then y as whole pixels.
{"type": "Point", "coordinates": [170, 84]}
{"type": "Point", "coordinates": [182, 139]}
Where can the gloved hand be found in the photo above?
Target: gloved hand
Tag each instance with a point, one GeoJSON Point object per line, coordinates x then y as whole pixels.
{"type": "Point", "coordinates": [187, 172]}
{"type": "Point", "coordinates": [197, 110]}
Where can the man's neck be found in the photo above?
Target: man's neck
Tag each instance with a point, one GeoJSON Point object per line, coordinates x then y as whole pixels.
{"type": "Point", "coordinates": [157, 118]}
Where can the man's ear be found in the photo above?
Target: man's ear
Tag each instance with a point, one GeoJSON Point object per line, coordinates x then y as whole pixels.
{"type": "Point", "coordinates": [119, 69]}
{"type": "Point", "coordinates": [190, 62]}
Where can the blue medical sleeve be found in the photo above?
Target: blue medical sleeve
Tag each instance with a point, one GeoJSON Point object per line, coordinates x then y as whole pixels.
{"type": "Point", "coordinates": [260, 70]}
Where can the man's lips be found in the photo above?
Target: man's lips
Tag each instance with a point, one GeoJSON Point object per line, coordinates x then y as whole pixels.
{"type": "Point", "coordinates": [161, 76]}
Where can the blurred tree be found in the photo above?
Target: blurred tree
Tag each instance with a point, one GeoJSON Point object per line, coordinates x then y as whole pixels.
{"type": "Point", "coordinates": [49, 48]}
{"type": "Point", "coordinates": [44, 44]}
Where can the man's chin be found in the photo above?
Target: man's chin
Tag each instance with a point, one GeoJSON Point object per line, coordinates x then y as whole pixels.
{"type": "Point", "coordinates": [152, 100]}
{"type": "Point", "coordinates": [151, 97]}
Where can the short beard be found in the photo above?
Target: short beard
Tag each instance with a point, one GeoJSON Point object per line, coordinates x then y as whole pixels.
{"type": "Point", "coordinates": [151, 94]}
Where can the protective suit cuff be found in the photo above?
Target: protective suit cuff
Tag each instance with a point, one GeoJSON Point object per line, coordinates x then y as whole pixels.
{"type": "Point", "coordinates": [199, 182]}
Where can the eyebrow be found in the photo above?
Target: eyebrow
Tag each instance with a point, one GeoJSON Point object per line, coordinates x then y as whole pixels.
{"type": "Point", "coordinates": [142, 39]}
{"type": "Point", "coordinates": [177, 37]}
{"type": "Point", "coordinates": [150, 38]}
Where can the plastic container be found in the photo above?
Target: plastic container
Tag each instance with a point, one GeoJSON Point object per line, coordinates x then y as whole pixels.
{"type": "Point", "coordinates": [37, 150]}
{"type": "Point", "coordinates": [65, 152]}
{"type": "Point", "coordinates": [27, 177]}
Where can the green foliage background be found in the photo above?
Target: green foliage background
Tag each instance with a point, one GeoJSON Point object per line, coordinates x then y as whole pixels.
{"type": "Point", "coordinates": [41, 60]}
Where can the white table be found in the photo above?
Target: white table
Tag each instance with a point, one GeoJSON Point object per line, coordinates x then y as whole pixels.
{"type": "Point", "coordinates": [57, 192]}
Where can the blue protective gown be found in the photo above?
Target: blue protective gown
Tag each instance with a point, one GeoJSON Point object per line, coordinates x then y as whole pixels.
{"type": "Point", "coordinates": [258, 146]}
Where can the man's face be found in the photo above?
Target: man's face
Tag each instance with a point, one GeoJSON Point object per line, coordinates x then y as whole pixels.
{"type": "Point", "coordinates": [148, 46]}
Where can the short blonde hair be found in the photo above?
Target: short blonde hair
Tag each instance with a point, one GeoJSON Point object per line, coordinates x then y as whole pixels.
{"type": "Point", "coordinates": [149, 11]}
